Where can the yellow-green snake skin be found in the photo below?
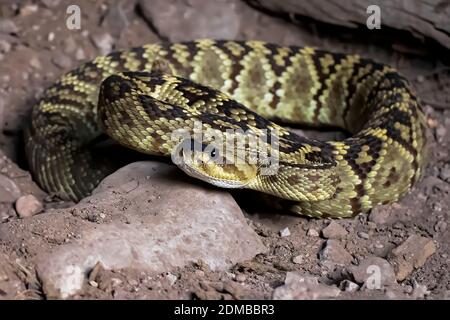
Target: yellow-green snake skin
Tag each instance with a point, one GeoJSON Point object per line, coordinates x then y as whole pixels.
{"type": "Point", "coordinates": [152, 90]}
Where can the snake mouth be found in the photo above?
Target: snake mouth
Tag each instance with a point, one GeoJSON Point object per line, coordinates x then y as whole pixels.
{"type": "Point", "coordinates": [202, 164]}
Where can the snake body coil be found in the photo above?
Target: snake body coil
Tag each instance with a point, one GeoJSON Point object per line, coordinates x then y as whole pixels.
{"type": "Point", "coordinates": [246, 85]}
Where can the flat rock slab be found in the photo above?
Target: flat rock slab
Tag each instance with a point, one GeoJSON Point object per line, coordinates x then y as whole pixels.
{"type": "Point", "coordinates": [150, 217]}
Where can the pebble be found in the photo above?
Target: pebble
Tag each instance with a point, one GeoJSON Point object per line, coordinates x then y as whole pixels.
{"type": "Point", "coordinates": [80, 54]}
{"type": "Point", "coordinates": [171, 278]}
{"type": "Point", "coordinates": [285, 232]}
{"type": "Point", "coordinates": [303, 287]}
{"type": "Point", "coordinates": [363, 235]}
{"type": "Point", "coordinates": [93, 283]}
{"type": "Point", "coordinates": [62, 61]}
{"type": "Point", "coordinates": [380, 215]}
{"type": "Point", "coordinates": [348, 286]}
{"type": "Point", "coordinates": [411, 254]}
{"type": "Point", "coordinates": [334, 254]}
{"type": "Point", "coordinates": [441, 226]}
{"type": "Point", "coordinates": [441, 133]}
{"type": "Point", "coordinates": [35, 63]}
{"type": "Point", "coordinates": [312, 232]}
{"type": "Point", "coordinates": [51, 37]}
{"type": "Point", "coordinates": [8, 26]}
{"type": "Point", "coordinates": [444, 173]}
{"type": "Point", "coordinates": [9, 191]}
{"type": "Point", "coordinates": [334, 231]}
{"type": "Point", "coordinates": [298, 259]}
{"type": "Point", "coordinates": [28, 206]}
{"type": "Point", "coordinates": [104, 42]}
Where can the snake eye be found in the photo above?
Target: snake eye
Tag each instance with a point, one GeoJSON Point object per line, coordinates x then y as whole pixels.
{"type": "Point", "coordinates": [213, 153]}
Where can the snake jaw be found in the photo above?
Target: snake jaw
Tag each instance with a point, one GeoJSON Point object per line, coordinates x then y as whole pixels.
{"type": "Point", "coordinates": [198, 163]}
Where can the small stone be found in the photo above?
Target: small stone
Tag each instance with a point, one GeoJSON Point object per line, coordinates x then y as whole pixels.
{"type": "Point", "coordinates": [312, 233]}
{"type": "Point", "coordinates": [70, 45]}
{"type": "Point", "coordinates": [35, 63]}
{"type": "Point", "coordinates": [374, 273]}
{"type": "Point", "coordinates": [419, 290]}
{"type": "Point", "coordinates": [285, 232]}
{"type": "Point", "coordinates": [240, 277]}
{"type": "Point", "coordinates": [28, 9]}
{"type": "Point", "coordinates": [334, 231]}
{"type": "Point", "coordinates": [9, 191]}
{"type": "Point", "coordinates": [303, 287]}
{"type": "Point", "coordinates": [363, 235]}
{"type": "Point", "coordinates": [80, 54]}
{"type": "Point", "coordinates": [348, 286]}
{"type": "Point", "coordinates": [334, 254]}
{"type": "Point", "coordinates": [171, 278]}
{"type": "Point", "coordinates": [298, 259]}
{"type": "Point", "coordinates": [116, 282]}
{"type": "Point", "coordinates": [444, 173]}
{"type": "Point", "coordinates": [441, 226]}
{"type": "Point", "coordinates": [93, 283]}
{"type": "Point", "coordinates": [51, 37]}
{"type": "Point", "coordinates": [8, 26]}
{"type": "Point", "coordinates": [411, 254]}
{"type": "Point", "coordinates": [5, 46]}
{"type": "Point", "coordinates": [420, 78]}
{"type": "Point", "coordinates": [28, 206]}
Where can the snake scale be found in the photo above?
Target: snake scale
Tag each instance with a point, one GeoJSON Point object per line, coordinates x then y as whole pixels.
{"type": "Point", "coordinates": [140, 96]}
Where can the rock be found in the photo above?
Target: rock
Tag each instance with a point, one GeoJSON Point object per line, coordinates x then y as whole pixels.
{"type": "Point", "coordinates": [194, 19]}
{"type": "Point", "coordinates": [80, 54]}
{"type": "Point", "coordinates": [166, 221]}
{"type": "Point", "coordinates": [28, 9]}
{"type": "Point", "coordinates": [171, 278]}
{"type": "Point", "coordinates": [50, 3]}
{"type": "Point", "coordinates": [103, 41]}
{"type": "Point", "coordinates": [348, 286]}
{"type": "Point", "coordinates": [240, 277]}
{"type": "Point", "coordinates": [298, 259]}
{"type": "Point", "coordinates": [374, 273]}
{"type": "Point", "coordinates": [380, 214]}
{"type": "Point", "coordinates": [312, 232]}
{"type": "Point", "coordinates": [411, 254]}
{"type": "Point", "coordinates": [28, 206]}
{"type": "Point", "coordinates": [334, 254]}
{"type": "Point", "coordinates": [5, 46]}
{"type": "Point", "coordinates": [285, 232]}
{"type": "Point", "coordinates": [8, 26]}
{"type": "Point", "coordinates": [419, 290]}
{"type": "Point", "coordinates": [363, 235]}
{"type": "Point", "coordinates": [9, 191]}
{"type": "Point", "coordinates": [35, 63]}
{"type": "Point", "coordinates": [444, 173]}
{"type": "Point", "coordinates": [334, 231]}
{"type": "Point", "coordinates": [303, 287]}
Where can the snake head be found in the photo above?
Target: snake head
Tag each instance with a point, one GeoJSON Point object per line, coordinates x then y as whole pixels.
{"type": "Point", "coordinates": [210, 163]}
